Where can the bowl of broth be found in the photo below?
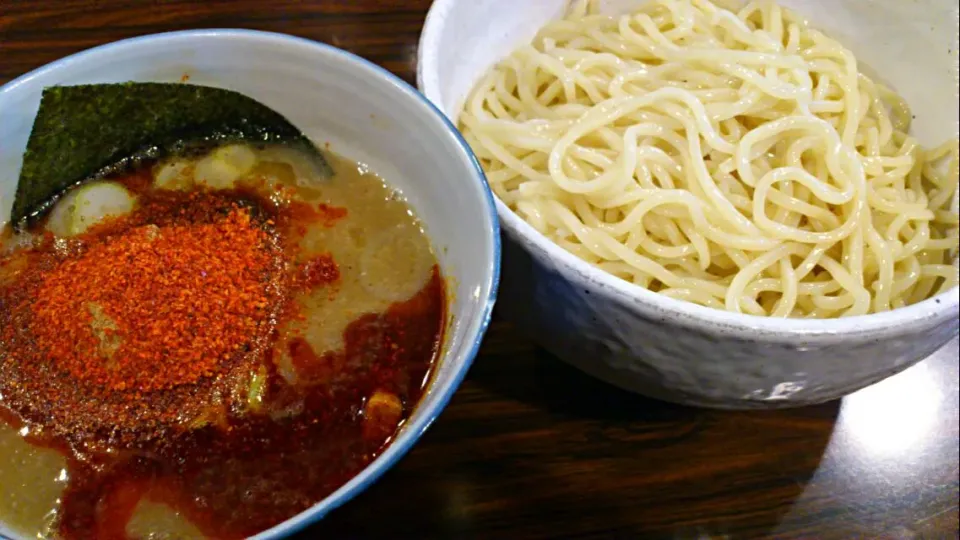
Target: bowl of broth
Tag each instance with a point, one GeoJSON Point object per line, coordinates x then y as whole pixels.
{"type": "Point", "coordinates": [234, 289]}
{"type": "Point", "coordinates": [726, 204]}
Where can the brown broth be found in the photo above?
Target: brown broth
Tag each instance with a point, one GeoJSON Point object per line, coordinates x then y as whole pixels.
{"type": "Point", "coordinates": [338, 366]}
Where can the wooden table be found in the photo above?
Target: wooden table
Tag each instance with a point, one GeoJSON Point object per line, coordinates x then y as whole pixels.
{"type": "Point", "coordinates": [530, 448]}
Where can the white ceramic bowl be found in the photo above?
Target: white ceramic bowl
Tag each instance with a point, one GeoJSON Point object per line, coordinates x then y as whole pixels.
{"type": "Point", "coordinates": [679, 351]}
{"type": "Point", "coordinates": [366, 114]}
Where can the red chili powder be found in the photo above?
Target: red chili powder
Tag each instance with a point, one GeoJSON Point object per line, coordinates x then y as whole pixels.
{"type": "Point", "coordinates": [320, 270]}
{"type": "Point", "coordinates": [322, 213]}
{"type": "Point", "coordinates": [152, 307]}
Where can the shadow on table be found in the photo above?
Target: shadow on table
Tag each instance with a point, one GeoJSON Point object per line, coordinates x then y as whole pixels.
{"type": "Point", "coordinates": [531, 448]}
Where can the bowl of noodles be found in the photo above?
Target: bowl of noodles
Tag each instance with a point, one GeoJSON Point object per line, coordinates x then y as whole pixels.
{"type": "Point", "coordinates": [723, 204]}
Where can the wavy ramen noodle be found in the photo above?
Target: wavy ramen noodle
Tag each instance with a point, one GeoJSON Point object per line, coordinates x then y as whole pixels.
{"type": "Point", "coordinates": [735, 159]}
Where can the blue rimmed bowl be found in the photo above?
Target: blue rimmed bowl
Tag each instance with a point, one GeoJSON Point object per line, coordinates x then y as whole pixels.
{"type": "Point", "coordinates": [364, 113]}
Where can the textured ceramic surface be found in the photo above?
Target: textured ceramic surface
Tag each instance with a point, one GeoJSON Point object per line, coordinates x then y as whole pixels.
{"type": "Point", "coordinates": [365, 114]}
{"type": "Point", "coordinates": [677, 351]}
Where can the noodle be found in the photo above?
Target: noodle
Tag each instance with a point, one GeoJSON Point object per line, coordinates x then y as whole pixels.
{"type": "Point", "coordinates": [735, 159]}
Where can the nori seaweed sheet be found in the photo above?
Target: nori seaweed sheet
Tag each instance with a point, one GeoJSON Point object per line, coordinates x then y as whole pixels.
{"type": "Point", "coordinates": [91, 131]}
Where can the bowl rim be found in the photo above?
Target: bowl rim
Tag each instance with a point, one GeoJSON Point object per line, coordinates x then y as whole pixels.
{"type": "Point", "coordinates": [686, 314]}
{"type": "Point", "coordinates": [415, 427]}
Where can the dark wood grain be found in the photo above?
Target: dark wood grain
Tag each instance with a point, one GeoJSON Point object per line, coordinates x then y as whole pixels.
{"type": "Point", "coordinates": [530, 448]}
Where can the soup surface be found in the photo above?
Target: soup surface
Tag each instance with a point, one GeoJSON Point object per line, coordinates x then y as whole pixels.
{"type": "Point", "coordinates": [208, 346]}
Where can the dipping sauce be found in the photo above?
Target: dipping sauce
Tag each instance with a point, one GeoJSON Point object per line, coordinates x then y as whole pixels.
{"type": "Point", "coordinates": [208, 346]}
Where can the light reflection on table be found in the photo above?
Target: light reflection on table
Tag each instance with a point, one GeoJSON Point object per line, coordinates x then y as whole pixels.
{"type": "Point", "coordinates": [893, 416]}
{"type": "Point", "coordinates": [883, 444]}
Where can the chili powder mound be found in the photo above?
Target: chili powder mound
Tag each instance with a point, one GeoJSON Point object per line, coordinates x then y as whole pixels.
{"type": "Point", "coordinates": [153, 308]}
{"type": "Point", "coordinates": [141, 330]}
